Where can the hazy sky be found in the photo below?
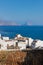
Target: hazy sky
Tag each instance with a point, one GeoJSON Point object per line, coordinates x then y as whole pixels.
{"type": "Point", "coordinates": [22, 11]}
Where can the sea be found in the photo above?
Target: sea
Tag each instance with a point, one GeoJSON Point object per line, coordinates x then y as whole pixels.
{"type": "Point", "coordinates": [35, 32]}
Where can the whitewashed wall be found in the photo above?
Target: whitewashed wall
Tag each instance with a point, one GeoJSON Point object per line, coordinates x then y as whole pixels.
{"type": "Point", "coordinates": [30, 41]}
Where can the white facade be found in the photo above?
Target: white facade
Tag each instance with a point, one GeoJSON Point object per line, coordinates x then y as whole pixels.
{"type": "Point", "coordinates": [39, 44]}
{"type": "Point", "coordinates": [3, 45]}
{"type": "Point", "coordinates": [5, 38]}
{"type": "Point", "coordinates": [22, 45]}
{"type": "Point", "coordinates": [30, 41]}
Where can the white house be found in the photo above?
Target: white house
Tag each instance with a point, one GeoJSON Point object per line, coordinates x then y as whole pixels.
{"type": "Point", "coordinates": [22, 44]}
{"type": "Point", "coordinates": [5, 42]}
{"type": "Point", "coordinates": [5, 38]}
{"type": "Point", "coordinates": [37, 44]}
{"type": "Point", "coordinates": [30, 41]}
{"type": "Point", "coordinates": [22, 41]}
{"type": "Point", "coordinates": [3, 45]}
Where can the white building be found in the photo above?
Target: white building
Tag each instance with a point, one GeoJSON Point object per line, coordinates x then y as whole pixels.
{"type": "Point", "coordinates": [37, 44]}
{"type": "Point", "coordinates": [19, 41]}
{"type": "Point", "coordinates": [22, 41]}
{"type": "Point", "coordinates": [3, 45]}
{"type": "Point", "coordinates": [5, 38]}
{"type": "Point", "coordinates": [30, 41]}
{"type": "Point", "coordinates": [5, 42]}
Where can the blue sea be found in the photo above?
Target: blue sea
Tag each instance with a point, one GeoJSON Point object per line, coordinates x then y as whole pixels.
{"type": "Point", "coordinates": [35, 32]}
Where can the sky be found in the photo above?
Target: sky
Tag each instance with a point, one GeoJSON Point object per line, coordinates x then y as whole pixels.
{"type": "Point", "coordinates": [22, 11]}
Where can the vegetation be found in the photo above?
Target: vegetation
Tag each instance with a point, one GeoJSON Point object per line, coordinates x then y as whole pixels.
{"type": "Point", "coordinates": [21, 57]}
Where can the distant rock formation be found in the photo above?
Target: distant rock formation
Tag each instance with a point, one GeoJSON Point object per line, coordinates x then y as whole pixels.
{"type": "Point", "coordinates": [8, 23]}
{"type": "Point", "coordinates": [4, 22]}
{"type": "Point", "coordinates": [27, 23]}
